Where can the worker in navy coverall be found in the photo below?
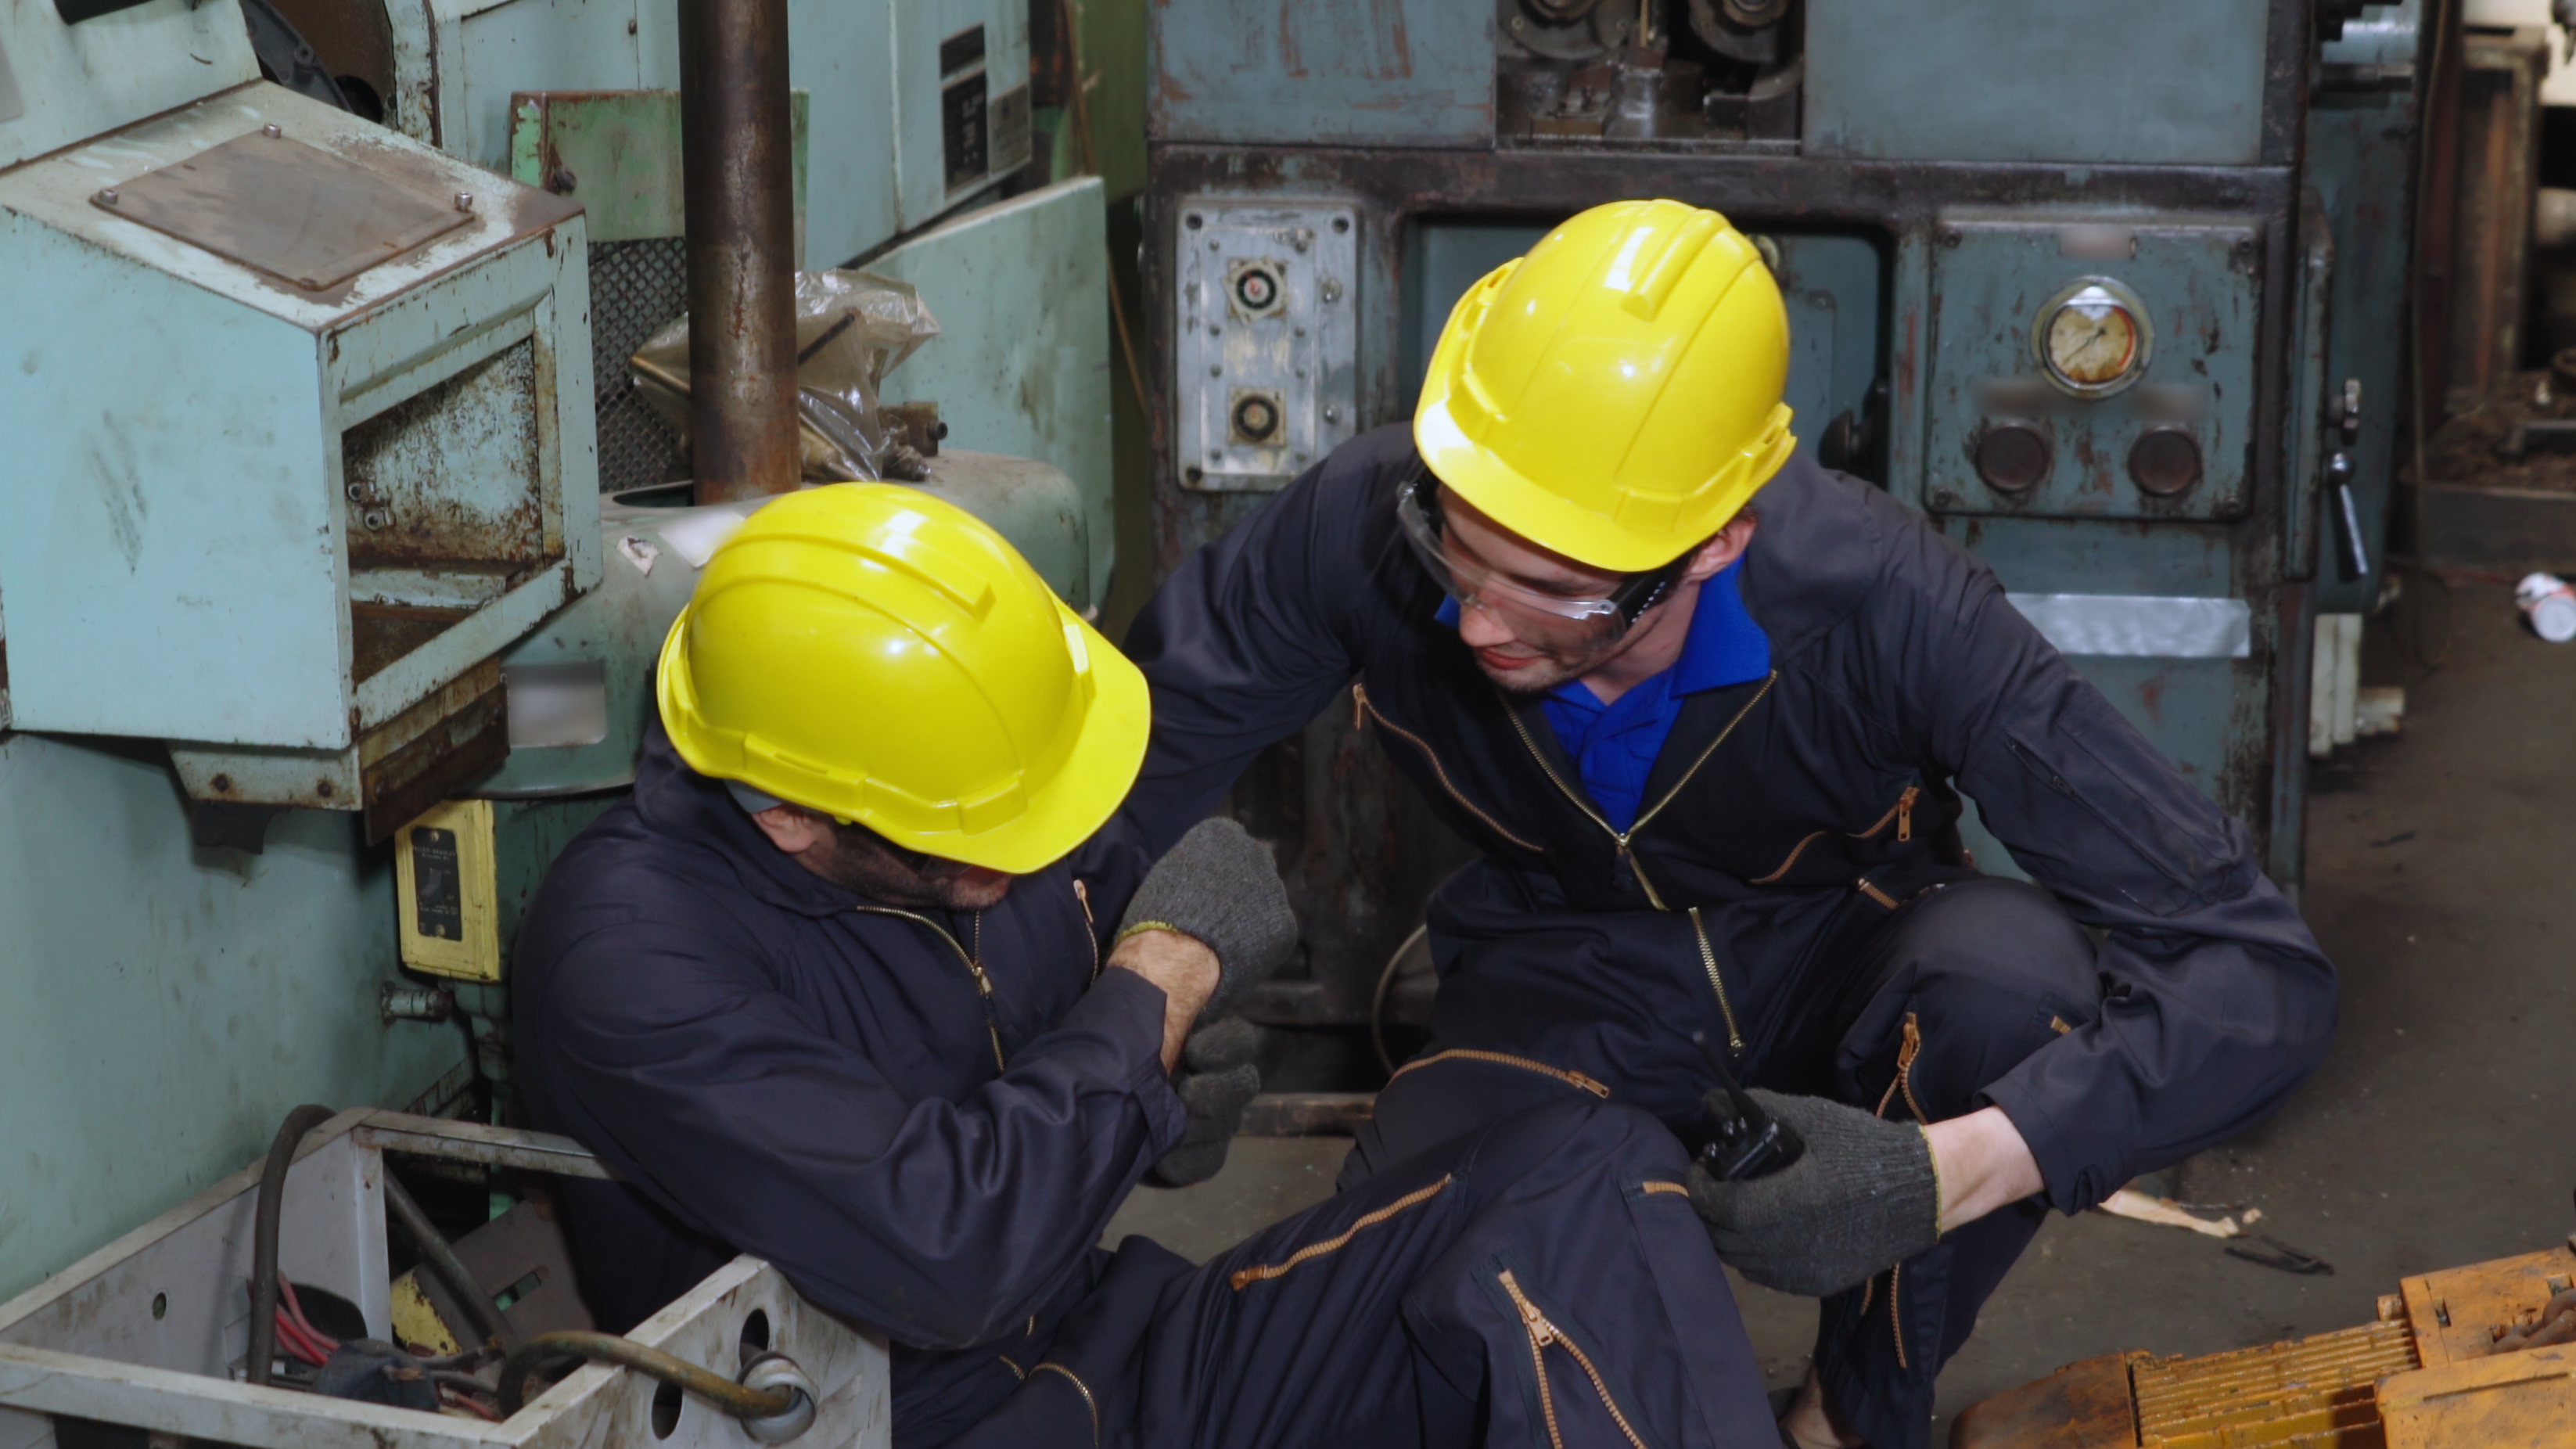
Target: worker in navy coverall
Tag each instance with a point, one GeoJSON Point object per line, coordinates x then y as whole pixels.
{"type": "Point", "coordinates": [1707, 710]}
{"type": "Point", "coordinates": [860, 982]}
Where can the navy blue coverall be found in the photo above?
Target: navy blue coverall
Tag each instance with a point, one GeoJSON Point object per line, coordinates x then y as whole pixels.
{"type": "Point", "coordinates": [1793, 884]}
{"type": "Point", "coordinates": [779, 1067]}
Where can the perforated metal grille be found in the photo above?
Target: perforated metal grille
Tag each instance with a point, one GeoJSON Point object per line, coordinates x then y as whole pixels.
{"type": "Point", "coordinates": [635, 287]}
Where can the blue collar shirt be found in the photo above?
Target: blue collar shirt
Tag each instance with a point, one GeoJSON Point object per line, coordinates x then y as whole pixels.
{"type": "Point", "coordinates": [1614, 745]}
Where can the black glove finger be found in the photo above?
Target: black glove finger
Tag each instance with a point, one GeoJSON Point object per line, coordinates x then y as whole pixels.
{"type": "Point", "coordinates": [1217, 1099]}
{"type": "Point", "coordinates": [1221, 1046]}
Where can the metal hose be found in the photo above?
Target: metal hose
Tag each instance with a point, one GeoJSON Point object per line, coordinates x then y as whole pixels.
{"type": "Point", "coordinates": [263, 1253]}
{"type": "Point", "coordinates": [734, 1399]}
{"type": "Point", "coordinates": [460, 1279]}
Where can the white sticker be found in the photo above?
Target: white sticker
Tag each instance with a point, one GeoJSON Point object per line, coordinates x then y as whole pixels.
{"type": "Point", "coordinates": [2140, 625]}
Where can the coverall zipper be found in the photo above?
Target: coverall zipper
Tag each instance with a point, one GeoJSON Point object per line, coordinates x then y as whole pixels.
{"type": "Point", "coordinates": [974, 968]}
{"type": "Point", "coordinates": [1902, 812]}
{"type": "Point", "coordinates": [1090, 927]}
{"type": "Point", "coordinates": [1542, 1334]}
{"type": "Point", "coordinates": [1726, 1009]}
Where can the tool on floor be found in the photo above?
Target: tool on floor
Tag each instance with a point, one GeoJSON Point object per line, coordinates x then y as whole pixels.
{"type": "Point", "coordinates": [1741, 1140]}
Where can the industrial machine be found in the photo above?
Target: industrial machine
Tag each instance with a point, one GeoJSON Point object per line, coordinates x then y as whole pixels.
{"type": "Point", "coordinates": [2108, 293]}
{"type": "Point", "coordinates": [2481, 1355]}
{"type": "Point", "coordinates": [146, 1336]}
{"type": "Point", "coordinates": [323, 631]}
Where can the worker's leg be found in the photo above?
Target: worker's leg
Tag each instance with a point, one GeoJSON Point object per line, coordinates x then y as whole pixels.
{"type": "Point", "coordinates": [1539, 1281]}
{"type": "Point", "coordinates": [1954, 991]}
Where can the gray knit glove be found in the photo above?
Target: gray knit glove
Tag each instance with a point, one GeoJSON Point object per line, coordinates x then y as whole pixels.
{"type": "Point", "coordinates": [1862, 1197]}
{"type": "Point", "coordinates": [1221, 886]}
{"type": "Point", "coordinates": [1217, 1081]}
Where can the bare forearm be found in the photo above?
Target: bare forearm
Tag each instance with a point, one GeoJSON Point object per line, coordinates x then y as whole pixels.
{"type": "Point", "coordinates": [1982, 1163]}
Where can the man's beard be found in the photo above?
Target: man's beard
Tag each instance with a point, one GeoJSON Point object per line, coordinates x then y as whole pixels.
{"type": "Point", "coordinates": [865, 865]}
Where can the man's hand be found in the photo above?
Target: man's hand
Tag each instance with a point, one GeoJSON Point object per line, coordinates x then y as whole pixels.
{"type": "Point", "coordinates": [1861, 1197]}
{"type": "Point", "coordinates": [1183, 967]}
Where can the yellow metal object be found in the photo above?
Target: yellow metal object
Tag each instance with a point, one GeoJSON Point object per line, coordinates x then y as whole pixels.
{"type": "Point", "coordinates": [450, 906]}
{"type": "Point", "coordinates": [417, 1324]}
{"type": "Point", "coordinates": [1615, 394]}
{"type": "Point", "coordinates": [2428, 1375]}
{"type": "Point", "coordinates": [870, 652]}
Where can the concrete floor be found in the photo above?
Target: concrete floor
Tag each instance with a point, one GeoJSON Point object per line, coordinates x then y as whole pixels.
{"type": "Point", "coordinates": [2439, 880]}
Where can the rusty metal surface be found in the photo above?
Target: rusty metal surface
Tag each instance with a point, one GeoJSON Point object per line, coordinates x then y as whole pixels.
{"type": "Point", "coordinates": [739, 177]}
{"type": "Point", "coordinates": [296, 212]}
{"type": "Point", "coordinates": [2084, 1405]}
{"type": "Point", "coordinates": [2496, 175]}
{"type": "Point", "coordinates": [1307, 1114]}
{"type": "Point", "coordinates": [480, 1143]}
{"type": "Point", "coordinates": [454, 474]}
{"type": "Point", "coordinates": [2312, 1392]}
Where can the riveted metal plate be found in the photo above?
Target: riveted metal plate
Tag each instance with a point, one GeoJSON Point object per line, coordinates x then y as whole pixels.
{"type": "Point", "coordinates": [1267, 377]}
{"type": "Point", "coordinates": [274, 204]}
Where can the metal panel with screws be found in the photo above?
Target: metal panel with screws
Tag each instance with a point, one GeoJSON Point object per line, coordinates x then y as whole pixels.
{"type": "Point", "coordinates": [1266, 360]}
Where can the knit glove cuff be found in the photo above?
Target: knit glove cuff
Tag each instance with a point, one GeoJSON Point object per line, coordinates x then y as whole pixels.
{"type": "Point", "coordinates": [1222, 887]}
{"type": "Point", "coordinates": [1863, 1196]}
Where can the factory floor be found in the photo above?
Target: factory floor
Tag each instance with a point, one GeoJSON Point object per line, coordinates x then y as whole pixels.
{"type": "Point", "coordinates": [2439, 879]}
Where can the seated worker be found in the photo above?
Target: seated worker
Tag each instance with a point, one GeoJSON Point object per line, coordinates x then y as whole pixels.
{"type": "Point", "coordinates": [844, 985]}
{"type": "Point", "coordinates": [1707, 709]}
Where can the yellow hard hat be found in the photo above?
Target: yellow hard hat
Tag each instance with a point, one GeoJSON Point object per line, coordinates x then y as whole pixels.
{"type": "Point", "coordinates": [870, 652]}
{"type": "Point", "coordinates": [1615, 394]}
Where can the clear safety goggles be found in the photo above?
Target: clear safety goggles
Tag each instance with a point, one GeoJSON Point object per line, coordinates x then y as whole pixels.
{"type": "Point", "coordinates": [1549, 621]}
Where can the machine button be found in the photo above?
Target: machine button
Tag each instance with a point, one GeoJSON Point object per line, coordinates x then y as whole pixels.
{"type": "Point", "coordinates": [2013, 456]}
{"type": "Point", "coordinates": [2165, 462]}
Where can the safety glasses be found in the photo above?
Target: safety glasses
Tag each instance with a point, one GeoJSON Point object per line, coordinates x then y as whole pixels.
{"type": "Point", "coordinates": [1554, 622]}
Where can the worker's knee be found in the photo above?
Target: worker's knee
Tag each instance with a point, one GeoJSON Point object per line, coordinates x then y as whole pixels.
{"type": "Point", "coordinates": [1976, 978]}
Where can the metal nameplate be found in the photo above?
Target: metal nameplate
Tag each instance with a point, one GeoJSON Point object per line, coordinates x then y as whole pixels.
{"type": "Point", "coordinates": [279, 206]}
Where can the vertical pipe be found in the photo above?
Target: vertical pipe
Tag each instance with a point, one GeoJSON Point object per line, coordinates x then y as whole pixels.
{"type": "Point", "coordinates": [741, 211]}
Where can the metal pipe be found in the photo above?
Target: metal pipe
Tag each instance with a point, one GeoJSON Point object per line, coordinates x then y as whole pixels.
{"type": "Point", "coordinates": [734, 1399]}
{"type": "Point", "coordinates": [738, 175]}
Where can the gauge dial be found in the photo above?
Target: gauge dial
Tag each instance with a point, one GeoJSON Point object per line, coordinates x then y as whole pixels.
{"type": "Point", "coordinates": [2092, 338]}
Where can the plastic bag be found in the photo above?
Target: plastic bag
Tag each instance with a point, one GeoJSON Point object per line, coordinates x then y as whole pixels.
{"type": "Point", "coordinates": [852, 328]}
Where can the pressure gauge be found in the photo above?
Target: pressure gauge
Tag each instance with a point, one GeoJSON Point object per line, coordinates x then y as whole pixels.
{"type": "Point", "coordinates": [2093, 337]}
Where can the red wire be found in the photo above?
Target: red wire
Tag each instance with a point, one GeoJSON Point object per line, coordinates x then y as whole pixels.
{"type": "Point", "coordinates": [291, 1339]}
{"type": "Point", "coordinates": [459, 1398]}
{"type": "Point", "coordinates": [319, 1339]}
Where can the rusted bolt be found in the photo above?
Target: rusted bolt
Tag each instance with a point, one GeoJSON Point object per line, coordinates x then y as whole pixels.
{"type": "Point", "coordinates": [108, 195]}
{"type": "Point", "coordinates": [1519, 24]}
{"type": "Point", "coordinates": [323, 789]}
{"type": "Point", "coordinates": [562, 181]}
{"type": "Point", "coordinates": [223, 784]}
{"type": "Point", "coordinates": [1192, 221]}
{"type": "Point", "coordinates": [272, 130]}
{"type": "Point", "coordinates": [465, 201]}
{"type": "Point", "coordinates": [377, 518]}
{"type": "Point", "coordinates": [1194, 473]}
{"type": "Point", "coordinates": [630, 27]}
{"type": "Point", "coordinates": [1341, 223]}
{"type": "Point", "coordinates": [1944, 498]}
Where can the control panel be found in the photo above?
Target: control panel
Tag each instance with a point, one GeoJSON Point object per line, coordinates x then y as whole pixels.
{"type": "Point", "coordinates": [2092, 366]}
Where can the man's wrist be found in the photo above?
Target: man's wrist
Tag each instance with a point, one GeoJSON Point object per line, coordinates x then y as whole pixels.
{"type": "Point", "coordinates": [1182, 967]}
{"type": "Point", "coordinates": [1980, 1163]}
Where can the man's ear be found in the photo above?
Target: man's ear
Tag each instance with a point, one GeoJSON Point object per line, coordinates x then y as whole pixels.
{"type": "Point", "coordinates": [790, 829]}
{"type": "Point", "coordinates": [1723, 548]}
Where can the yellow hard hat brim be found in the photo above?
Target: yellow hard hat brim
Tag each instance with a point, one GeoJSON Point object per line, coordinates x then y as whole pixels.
{"type": "Point", "coordinates": [1072, 806]}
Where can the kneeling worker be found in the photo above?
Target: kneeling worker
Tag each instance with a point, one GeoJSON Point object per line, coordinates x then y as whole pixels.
{"type": "Point", "coordinates": [865, 979]}
{"type": "Point", "coordinates": [1713, 763]}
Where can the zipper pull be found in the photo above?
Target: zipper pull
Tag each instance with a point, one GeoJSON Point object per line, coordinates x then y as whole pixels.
{"type": "Point", "coordinates": [1359, 706]}
{"type": "Point", "coordinates": [983, 983]}
{"type": "Point", "coordinates": [1905, 812]}
{"type": "Point", "coordinates": [1541, 1331]}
